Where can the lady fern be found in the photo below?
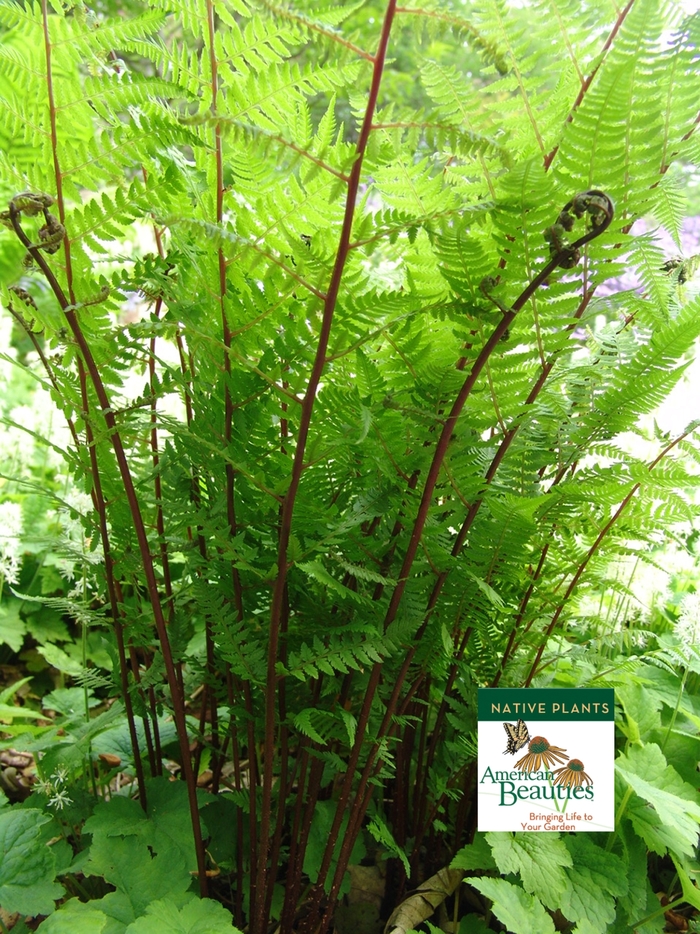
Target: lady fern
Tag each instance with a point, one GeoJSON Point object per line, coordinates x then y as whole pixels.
{"type": "Point", "coordinates": [373, 453]}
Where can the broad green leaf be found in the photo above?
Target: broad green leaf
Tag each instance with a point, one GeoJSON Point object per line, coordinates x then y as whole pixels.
{"type": "Point", "coordinates": [521, 913]}
{"type": "Point", "coordinates": [68, 701]}
{"type": "Point", "coordinates": [476, 855]}
{"type": "Point", "coordinates": [682, 748]}
{"type": "Point", "coordinates": [167, 824]}
{"type": "Point", "coordinates": [198, 916]}
{"type": "Point", "coordinates": [221, 815]}
{"type": "Point", "coordinates": [586, 927]}
{"type": "Point", "coordinates": [117, 739]}
{"type": "Point", "coordinates": [128, 864]}
{"type": "Point", "coordinates": [596, 876]}
{"type": "Point", "coordinates": [28, 866]}
{"type": "Point", "coordinates": [119, 911]}
{"type": "Point", "coordinates": [59, 659]}
{"type": "Point", "coordinates": [75, 918]}
{"type": "Point", "coordinates": [473, 924]}
{"type": "Point", "coordinates": [538, 858]}
{"type": "Point", "coordinates": [641, 710]}
{"type": "Point", "coordinates": [676, 816]}
{"type": "Point", "coordinates": [632, 903]}
{"type": "Point", "coordinates": [9, 712]}
{"type": "Point", "coordinates": [118, 817]}
{"type": "Point", "coordinates": [169, 810]}
{"type": "Point", "coordinates": [108, 915]}
{"type": "Point", "coordinates": [12, 627]}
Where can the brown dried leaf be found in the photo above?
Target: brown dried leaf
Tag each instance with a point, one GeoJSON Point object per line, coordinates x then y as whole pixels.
{"type": "Point", "coordinates": [422, 904]}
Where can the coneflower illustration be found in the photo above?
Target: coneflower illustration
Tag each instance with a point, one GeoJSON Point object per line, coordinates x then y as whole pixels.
{"type": "Point", "coordinates": [572, 774]}
{"type": "Point", "coordinates": [541, 753]}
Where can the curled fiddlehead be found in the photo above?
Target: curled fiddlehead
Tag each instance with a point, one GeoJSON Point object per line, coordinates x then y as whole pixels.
{"type": "Point", "coordinates": [30, 204]}
{"type": "Point", "coordinates": [600, 210]}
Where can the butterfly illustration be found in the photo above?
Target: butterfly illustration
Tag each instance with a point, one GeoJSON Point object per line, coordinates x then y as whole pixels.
{"type": "Point", "coordinates": [518, 735]}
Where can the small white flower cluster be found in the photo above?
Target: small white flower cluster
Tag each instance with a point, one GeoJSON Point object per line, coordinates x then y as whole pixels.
{"type": "Point", "coordinates": [10, 541]}
{"type": "Point", "coordinates": [54, 790]}
{"type": "Point", "coordinates": [687, 628]}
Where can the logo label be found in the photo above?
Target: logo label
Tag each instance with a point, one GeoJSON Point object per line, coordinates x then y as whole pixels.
{"type": "Point", "coordinates": [546, 759]}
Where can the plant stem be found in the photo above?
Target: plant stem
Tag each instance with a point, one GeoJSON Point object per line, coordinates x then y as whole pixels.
{"type": "Point", "coordinates": [441, 447]}
{"type": "Point", "coordinates": [618, 817]}
{"type": "Point", "coordinates": [113, 590]}
{"type": "Point", "coordinates": [140, 531]}
{"type": "Point", "coordinates": [86, 695]}
{"type": "Point", "coordinates": [658, 913]}
{"type": "Point", "coordinates": [329, 302]}
{"type": "Point", "coordinates": [676, 708]}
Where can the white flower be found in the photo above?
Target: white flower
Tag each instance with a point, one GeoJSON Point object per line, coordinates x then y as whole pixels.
{"type": "Point", "coordinates": [10, 541]}
{"type": "Point", "coordinates": [60, 800]}
{"type": "Point", "coordinates": [687, 628]}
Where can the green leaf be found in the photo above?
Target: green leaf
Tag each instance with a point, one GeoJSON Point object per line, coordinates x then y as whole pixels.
{"type": "Point", "coordinates": [539, 859]}
{"type": "Point", "coordinates": [165, 826]}
{"type": "Point", "coordinates": [633, 902]}
{"type": "Point", "coordinates": [117, 740]}
{"type": "Point", "coordinates": [146, 856]}
{"type": "Point", "coordinates": [28, 866]}
{"type": "Point", "coordinates": [8, 711]}
{"type": "Point", "coordinates": [108, 915]}
{"type": "Point", "coordinates": [674, 821]}
{"type": "Point", "coordinates": [59, 659]}
{"type": "Point", "coordinates": [521, 913]}
{"type": "Point", "coordinates": [324, 814]}
{"type": "Point", "coordinates": [169, 811]}
{"type": "Point", "coordinates": [9, 692]}
{"type": "Point", "coordinates": [128, 864]}
{"type": "Point", "coordinates": [198, 916]}
{"type": "Point", "coordinates": [596, 876]}
{"type": "Point", "coordinates": [68, 701]}
{"type": "Point", "coordinates": [302, 722]}
{"type": "Point", "coordinates": [12, 627]}
{"type": "Point", "coordinates": [75, 917]}
{"type": "Point", "coordinates": [691, 893]}
{"type": "Point", "coordinates": [383, 835]}
{"type": "Point", "coordinates": [473, 924]}
{"type": "Point", "coordinates": [641, 707]}
{"type": "Point", "coordinates": [476, 855]}
{"type": "Point", "coordinates": [587, 927]}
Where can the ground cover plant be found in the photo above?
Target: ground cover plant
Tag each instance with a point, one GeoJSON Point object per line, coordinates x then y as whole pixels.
{"type": "Point", "coordinates": [332, 303]}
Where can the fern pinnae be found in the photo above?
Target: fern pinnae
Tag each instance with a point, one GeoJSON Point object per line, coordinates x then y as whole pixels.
{"type": "Point", "coordinates": [109, 35]}
{"type": "Point", "coordinates": [223, 235]}
{"type": "Point", "coordinates": [236, 128]}
{"type": "Point", "coordinates": [320, 26]}
{"type": "Point", "coordinates": [497, 15]}
{"type": "Point", "coordinates": [433, 17]}
{"type": "Point", "coordinates": [629, 498]}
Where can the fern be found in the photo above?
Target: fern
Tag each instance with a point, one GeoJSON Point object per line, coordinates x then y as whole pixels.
{"type": "Point", "coordinates": [359, 454]}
